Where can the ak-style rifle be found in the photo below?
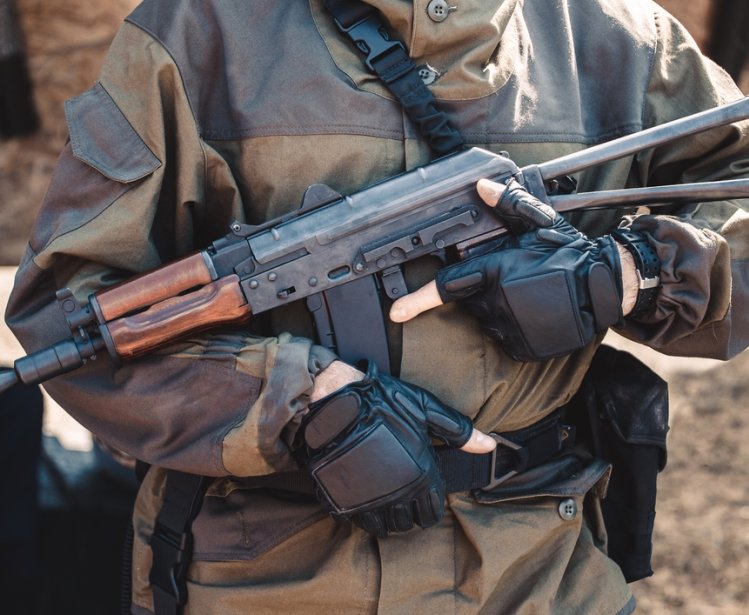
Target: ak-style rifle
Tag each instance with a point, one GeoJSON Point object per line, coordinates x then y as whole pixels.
{"type": "Point", "coordinates": [340, 252]}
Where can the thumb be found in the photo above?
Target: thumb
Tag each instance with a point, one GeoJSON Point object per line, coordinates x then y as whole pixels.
{"type": "Point", "coordinates": [479, 443]}
{"type": "Point", "coordinates": [453, 426]}
{"type": "Point", "coordinates": [456, 429]}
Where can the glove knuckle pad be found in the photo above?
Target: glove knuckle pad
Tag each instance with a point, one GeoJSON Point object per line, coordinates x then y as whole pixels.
{"type": "Point", "coordinates": [372, 468]}
{"type": "Point", "coordinates": [331, 420]}
{"type": "Point", "coordinates": [369, 452]}
{"type": "Point", "coordinates": [545, 331]}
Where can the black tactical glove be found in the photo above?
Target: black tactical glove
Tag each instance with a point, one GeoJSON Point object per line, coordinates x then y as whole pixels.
{"type": "Point", "coordinates": [544, 292]}
{"type": "Point", "coordinates": [368, 448]}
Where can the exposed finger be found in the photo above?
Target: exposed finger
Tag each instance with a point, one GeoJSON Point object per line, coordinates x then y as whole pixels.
{"type": "Point", "coordinates": [413, 304]}
{"type": "Point", "coordinates": [479, 443]}
{"type": "Point", "coordinates": [490, 191]}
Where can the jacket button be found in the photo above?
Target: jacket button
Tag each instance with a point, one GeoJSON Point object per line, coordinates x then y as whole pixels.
{"type": "Point", "coordinates": [568, 509]}
{"type": "Point", "coordinates": [438, 10]}
{"type": "Point", "coordinates": [428, 75]}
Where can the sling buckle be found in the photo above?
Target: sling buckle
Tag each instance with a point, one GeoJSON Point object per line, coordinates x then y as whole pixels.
{"type": "Point", "coordinates": [371, 38]}
{"type": "Point", "coordinates": [172, 553]}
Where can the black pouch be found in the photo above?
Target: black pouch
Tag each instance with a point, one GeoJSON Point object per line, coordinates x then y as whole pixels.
{"type": "Point", "coordinates": [621, 414]}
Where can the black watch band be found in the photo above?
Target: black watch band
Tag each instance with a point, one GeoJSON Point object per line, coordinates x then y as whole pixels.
{"type": "Point", "coordinates": [648, 267]}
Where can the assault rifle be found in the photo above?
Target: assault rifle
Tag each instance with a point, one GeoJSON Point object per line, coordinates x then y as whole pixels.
{"type": "Point", "coordinates": [339, 253]}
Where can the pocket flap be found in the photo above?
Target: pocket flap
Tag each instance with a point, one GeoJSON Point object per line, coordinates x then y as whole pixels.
{"type": "Point", "coordinates": [102, 137]}
{"type": "Point", "coordinates": [632, 395]}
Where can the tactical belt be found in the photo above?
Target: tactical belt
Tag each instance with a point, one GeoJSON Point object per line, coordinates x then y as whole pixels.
{"type": "Point", "coordinates": [171, 541]}
{"type": "Point", "coordinates": [516, 452]}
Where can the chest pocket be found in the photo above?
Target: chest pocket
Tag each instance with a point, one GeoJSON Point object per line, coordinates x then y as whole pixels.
{"type": "Point", "coordinates": [102, 137]}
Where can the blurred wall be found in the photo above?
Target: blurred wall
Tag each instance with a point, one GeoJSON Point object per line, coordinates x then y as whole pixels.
{"type": "Point", "coordinates": [65, 41]}
{"type": "Point", "coordinates": [696, 15]}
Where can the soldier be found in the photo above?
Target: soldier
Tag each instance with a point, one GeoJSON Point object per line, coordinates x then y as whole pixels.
{"type": "Point", "coordinates": [211, 112]}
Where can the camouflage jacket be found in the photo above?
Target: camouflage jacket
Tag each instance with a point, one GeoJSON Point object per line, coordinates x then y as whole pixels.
{"type": "Point", "coordinates": [214, 111]}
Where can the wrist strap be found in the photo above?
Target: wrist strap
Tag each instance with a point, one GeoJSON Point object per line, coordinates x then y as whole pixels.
{"type": "Point", "coordinates": [648, 267]}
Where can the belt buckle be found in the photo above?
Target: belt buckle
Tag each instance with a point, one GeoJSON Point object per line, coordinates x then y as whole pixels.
{"type": "Point", "coordinates": [494, 480]}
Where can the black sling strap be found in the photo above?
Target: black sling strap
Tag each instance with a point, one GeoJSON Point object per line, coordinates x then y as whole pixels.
{"type": "Point", "coordinates": [171, 541]}
{"type": "Point", "coordinates": [388, 59]}
{"type": "Point", "coordinates": [349, 319]}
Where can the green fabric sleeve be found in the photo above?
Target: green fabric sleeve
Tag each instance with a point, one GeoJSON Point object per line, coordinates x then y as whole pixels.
{"type": "Point", "coordinates": [704, 300]}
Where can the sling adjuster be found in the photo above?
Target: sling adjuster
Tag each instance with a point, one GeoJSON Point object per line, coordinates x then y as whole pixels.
{"type": "Point", "coordinates": [387, 57]}
{"type": "Point", "coordinates": [516, 452]}
{"type": "Point", "coordinates": [172, 552]}
{"type": "Point", "coordinates": [371, 38]}
{"type": "Point", "coordinates": [171, 541]}
{"type": "Point", "coordinates": [528, 448]}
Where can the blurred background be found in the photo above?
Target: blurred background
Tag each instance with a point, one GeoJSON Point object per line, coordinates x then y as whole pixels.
{"type": "Point", "coordinates": [65, 500]}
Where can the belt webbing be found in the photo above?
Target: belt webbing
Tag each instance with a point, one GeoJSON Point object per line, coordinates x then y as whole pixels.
{"type": "Point", "coordinates": [516, 452]}
{"type": "Point", "coordinates": [171, 542]}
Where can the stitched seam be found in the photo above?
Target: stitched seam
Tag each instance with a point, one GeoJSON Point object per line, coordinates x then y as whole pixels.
{"type": "Point", "coordinates": [176, 66]}
{"type": "Point", "coordinates": [571, 136]}
{"type": "Point", "coordinates": [481, 137]}
{"type": "Point", "coordinates": [286, 130]}
{"type": "Point", "coordinates": [656, 48]}
{"type": "Point", "coordinates": [455, 564]}
{"type": "Point", "coordinates": [264, 545]}
{"type": "Point", "coordinates": [52, 240]}
{"type": "Point", "coordinates": [364, 541]}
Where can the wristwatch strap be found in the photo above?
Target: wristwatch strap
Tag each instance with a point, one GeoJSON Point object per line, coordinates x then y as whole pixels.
{"type": "Point", "coordinates": [648, 267]}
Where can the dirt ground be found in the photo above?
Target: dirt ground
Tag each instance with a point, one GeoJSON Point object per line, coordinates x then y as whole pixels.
{"type": "Point", "coordinates": [702, 527]}
{"type": "Point", "coordinates": [701, 542]}
{"type": "Point", "coordinates": [702, 524]}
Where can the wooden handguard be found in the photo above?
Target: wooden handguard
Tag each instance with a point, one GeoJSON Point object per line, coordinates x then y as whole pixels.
{"type": "Point", "coordinates": [154, 286]}
{"type": "Point", "coordinates": [218, 303]}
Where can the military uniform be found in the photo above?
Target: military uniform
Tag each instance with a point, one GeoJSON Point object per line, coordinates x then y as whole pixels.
{"type": "Point", "coordinates": [213, 111]}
